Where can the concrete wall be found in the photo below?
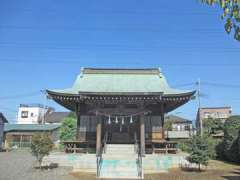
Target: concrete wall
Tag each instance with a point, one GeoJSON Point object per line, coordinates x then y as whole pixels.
{"type": "Point", "coordinates": [87, 162]}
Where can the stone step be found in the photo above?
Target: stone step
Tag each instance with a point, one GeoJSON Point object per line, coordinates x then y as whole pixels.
{"type": "Point", "coordinates": [119, 157]}
{"type": "Point", "coordinates": [120, 149]}
{"type": "Point", "coordinates": [120, 145]}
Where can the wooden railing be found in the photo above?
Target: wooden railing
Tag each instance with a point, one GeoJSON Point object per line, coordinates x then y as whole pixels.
{"type": "Point", "coordinates": [165, 147]}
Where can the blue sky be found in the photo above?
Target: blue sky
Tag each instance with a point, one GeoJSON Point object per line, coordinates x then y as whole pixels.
{"type": "Point", "coordinates": [43, 44]}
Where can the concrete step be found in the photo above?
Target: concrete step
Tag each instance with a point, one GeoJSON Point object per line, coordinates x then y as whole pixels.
{"type": "Point", "coordinates": [119, 157]}
{"type": "Point", "coordinates": [119, 169]}
{"type": "Point", "coordinates": [120, 149]}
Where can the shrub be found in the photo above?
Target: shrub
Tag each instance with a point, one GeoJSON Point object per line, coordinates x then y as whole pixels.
{"type": "Point", "coordinates": [68, 129]}
{"type": "Point", "coordinates": [41, 146]}
{"type": "Point", "coordinates": [199, 151]}
{"type": "Point", "coordinates": [230, 142]}
{"type": "Point", "coordinates": [212, 146]}
{"type": "Point", "coordinates": [184, 145]}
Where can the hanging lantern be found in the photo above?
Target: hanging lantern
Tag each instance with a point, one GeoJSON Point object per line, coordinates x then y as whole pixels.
{"type": "Point", "coordinates": [122, 120]}
{"type": "Point", "coordinates": [109, 119]}
{"type": "Point", "coordinates": [116, 120]}
{"type": "Point", "coordinates": [131, 119]}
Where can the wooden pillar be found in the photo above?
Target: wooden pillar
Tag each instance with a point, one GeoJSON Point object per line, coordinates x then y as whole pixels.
{"type": "Point", "coordinates": [20, 141]}
{"type": "Point", "coordinates": [162, 120]}
{"type": "Point", "coordinates": [78, 125]}
{"type": "Point", "coordinates": [98, 135]}
{"type": "Point", "coordinates": [142, 135]}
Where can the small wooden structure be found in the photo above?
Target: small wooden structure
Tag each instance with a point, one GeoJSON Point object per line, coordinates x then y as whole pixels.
{"type": "Point", "coordinates": [20, 135]}
{"type": "Point", "coordinates": [120, 103]}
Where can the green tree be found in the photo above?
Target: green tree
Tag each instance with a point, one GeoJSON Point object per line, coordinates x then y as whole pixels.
{"type": "Point", "coordinates": [230, 141]}
{"type": "Point", "coordinates": [212, 146]}
{"type": "Point", "coordinates": [199, 151]}
{"type": "Point", "coordinates": [212, 126]}
{"type": "Point", "coordinates": [168, 125]}
{"type": "Point", "coordinates": [231, 15]}
{"type": "Point", "coordinates": [238, 140]}
{"type": "Point", "coordinates": [41, 146]}
{"type": "Point", "coordinates": [68, 129]}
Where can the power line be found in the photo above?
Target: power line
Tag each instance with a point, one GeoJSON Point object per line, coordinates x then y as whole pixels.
{"type": "Point", "coordinates": [221, 85]}
{"type": "Point", "coordinates": [17, 96]}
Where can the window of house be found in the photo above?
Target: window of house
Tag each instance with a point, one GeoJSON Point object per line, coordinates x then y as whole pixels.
{"type": "Point", "coordinates": [206, 115]}
{"type": "Point", "coordinates": [24, 114]}
{"type": "Point", "coordinates": [32, 114]}
{"type": "Point", "coordinates": [187, 127]}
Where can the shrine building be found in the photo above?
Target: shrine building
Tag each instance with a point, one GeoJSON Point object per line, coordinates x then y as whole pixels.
{"type": "Point", "coordinates": [120, 106]}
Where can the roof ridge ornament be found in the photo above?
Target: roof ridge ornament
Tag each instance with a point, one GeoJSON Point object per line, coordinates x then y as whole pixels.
{"type": "Point", "coordinates": [82, 71]}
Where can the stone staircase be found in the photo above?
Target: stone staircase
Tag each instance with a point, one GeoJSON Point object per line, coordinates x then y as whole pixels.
{"type": "Point", "coordinates": [119, 161]}
{"type": "Point", "coordinates": [120, 137]}
{"type": "Point", "coordinates": [120, 149]}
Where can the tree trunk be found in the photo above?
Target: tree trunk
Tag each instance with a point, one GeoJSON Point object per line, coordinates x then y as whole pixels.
{"type": "Point", "coordinates": [199, 167]}
{"type": "Point", "coordinates": [40, 164]}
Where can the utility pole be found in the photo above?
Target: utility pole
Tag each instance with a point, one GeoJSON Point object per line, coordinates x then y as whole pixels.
{"type": "Point", "coordinates": [199, 106]}
{"type": "Point", "coordinates": [44, 106]}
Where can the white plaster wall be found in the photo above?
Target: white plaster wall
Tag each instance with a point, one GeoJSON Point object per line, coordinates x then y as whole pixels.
{"type": "Point", "coordinates": [35, 114]}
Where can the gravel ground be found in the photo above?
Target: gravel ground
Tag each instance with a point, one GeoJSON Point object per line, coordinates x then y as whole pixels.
{"type": "Point", "coordinates": [18, 165]}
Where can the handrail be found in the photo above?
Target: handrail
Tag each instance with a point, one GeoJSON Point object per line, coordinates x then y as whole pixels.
{"type": "Point", "coordinates": [140, 166]}
{"type": "Point", "coordinates": [99, 162]}
{"type": "Point", "coordinates": [99, 156]}
{"type": "Point", "coordinates": [105, 139]}
{"type": "Point", "coordinates": [139, 157]}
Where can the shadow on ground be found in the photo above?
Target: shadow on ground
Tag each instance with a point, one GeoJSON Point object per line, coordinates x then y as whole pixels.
{"type": "Point", "coordinates": [235, 175]}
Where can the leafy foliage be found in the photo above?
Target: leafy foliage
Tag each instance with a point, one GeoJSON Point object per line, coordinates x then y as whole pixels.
{"type": "Point", "coordinates": [184, 145]}
{"type": "Point", "coordinates": [212, 146]}
{"type": "Point", "coordinates": [68, 129]}
{"type": "Point", "coordinates": [231, 142]}
{"type": "Point", "coordinates": [212, 126]}
{"type": "Point", "coordinates": [41, 146]}
{"type": "Point", "coordinates": [231, 14]}
{"type": "Point", "coordinates": [199, 151]}
{"type": "Point", "coordinates": [238, 140]}
{"type": "Point", "coordinates": [168, 125]}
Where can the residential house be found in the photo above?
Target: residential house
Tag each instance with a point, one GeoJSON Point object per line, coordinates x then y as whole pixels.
{"type": "Point", "coordinates": [221, 113]}
{"type": "Point", "coordinates": [20, 135]}
{"type": "Point", "coordinates": [3, 120]}
{"type": "Point", "coordinates": [181, 128]}
{"type": "Point", "coordinates": [32, 113]}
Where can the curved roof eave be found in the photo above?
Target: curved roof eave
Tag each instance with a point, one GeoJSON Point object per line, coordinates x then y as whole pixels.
{"type": "Point", "coordinates": [69, 92]}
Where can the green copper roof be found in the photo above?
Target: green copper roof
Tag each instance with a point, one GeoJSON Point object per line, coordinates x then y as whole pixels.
{"type": "Point", "coordinates": [30, 127]}
{"type": "Point", "coordinates": [121, 81]}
